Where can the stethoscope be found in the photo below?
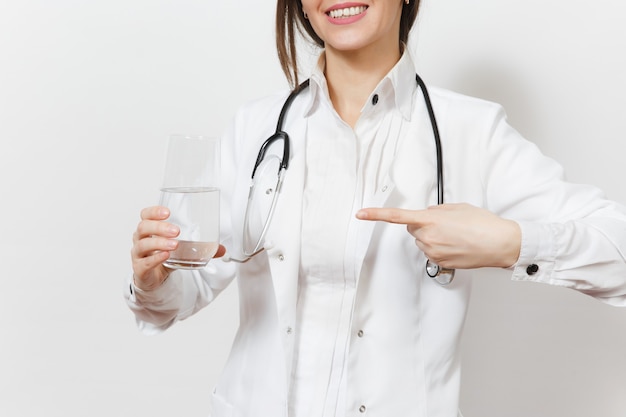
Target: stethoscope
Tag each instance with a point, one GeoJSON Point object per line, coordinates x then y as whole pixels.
{"type": "Point", "coordinates": [443, 276]}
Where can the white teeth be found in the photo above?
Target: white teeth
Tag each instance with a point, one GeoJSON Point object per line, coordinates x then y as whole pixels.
{"type": "Point", "coordinates": [347, 12]}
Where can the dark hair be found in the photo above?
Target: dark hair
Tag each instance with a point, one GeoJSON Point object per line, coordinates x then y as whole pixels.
{"type": "Point", "coordinates": [290, 21]}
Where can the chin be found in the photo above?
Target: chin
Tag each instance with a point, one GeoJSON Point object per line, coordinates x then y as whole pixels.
{"type": "Point", "coordinates": [346, 45]}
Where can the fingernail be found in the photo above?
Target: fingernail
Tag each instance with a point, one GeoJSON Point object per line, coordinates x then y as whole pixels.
{"type": "Point", "coordinates": [172, 230]}
{"type": "Point", "coordinates": [361, 214]}
{"type": "Point", "coordinates": [164, 212]}
{"type": "Point", "coordinates": [171, 244]}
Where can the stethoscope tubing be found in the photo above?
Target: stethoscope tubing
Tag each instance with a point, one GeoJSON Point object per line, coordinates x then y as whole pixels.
{"type": "Point", "coordinates": [433, 270]}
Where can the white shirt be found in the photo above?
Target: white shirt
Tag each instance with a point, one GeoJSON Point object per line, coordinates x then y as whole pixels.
{"type": "Point", "coordinates": [344, 167]}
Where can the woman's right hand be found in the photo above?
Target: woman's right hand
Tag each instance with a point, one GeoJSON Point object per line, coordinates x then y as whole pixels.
{"type": "Point", "coordinates": [152, 242]}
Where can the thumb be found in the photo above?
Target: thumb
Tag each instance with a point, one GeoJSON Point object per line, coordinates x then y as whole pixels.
{"type": "Point", "coordinates": [220, 252]}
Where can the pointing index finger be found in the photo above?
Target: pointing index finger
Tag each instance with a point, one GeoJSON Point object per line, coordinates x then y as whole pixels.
{"type": "Point", "coordinates": [391, 215]}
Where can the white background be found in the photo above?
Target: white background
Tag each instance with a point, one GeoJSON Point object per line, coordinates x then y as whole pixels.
{"type": "Point", "coordinates": [90, 91]}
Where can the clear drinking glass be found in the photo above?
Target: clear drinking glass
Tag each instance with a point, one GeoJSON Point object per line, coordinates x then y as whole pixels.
{"type": "Point", "coordinates": [191, 192]}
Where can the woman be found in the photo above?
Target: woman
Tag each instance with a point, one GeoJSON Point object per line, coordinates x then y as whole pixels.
{"type": "Point", "coordinates": [338, 313]}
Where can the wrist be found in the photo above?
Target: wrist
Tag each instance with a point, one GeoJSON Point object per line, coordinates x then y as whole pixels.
{"type": "Point", "coordinates": [512, 245]}
{"type": "Point", "coordinates": [144, 286]}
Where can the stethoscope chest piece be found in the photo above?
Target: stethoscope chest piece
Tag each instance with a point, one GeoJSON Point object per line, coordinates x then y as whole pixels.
{"type": "Point", "coordinates": [443, 276]}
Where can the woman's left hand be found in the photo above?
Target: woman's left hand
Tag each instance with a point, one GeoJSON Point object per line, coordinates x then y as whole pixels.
{"type": "Point", "coordinates": [456, 235]}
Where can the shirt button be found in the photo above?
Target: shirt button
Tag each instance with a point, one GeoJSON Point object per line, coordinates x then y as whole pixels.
{"type": "Point", "coordinates": [281, 257]}
{"type": "Point", "coordinates": [362, 409]}
{"type": "Point", "coordinates": [532, 269]}
{"type": "Point", "coordinates": [289, 330]}
{"type": "Point", "coordinates": [375, 99]}
{"type": "Point", "coordinates": [384, 188]}
{"type": "Point", "coordinates": [360, 333]}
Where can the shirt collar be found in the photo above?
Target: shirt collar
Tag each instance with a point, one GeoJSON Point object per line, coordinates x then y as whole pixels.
{"type": "Point", "coordinates": [399, 84]}
{"type": "Point", "coordinates": [317, 85]}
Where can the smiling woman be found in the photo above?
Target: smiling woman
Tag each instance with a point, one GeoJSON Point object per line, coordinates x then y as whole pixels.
{"type": "Point", "coordinates": [338, 314]}
{"type": "Point", "coordinates": [291, 20]}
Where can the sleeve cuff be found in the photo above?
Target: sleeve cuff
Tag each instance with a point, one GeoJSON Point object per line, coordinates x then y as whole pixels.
{"type": "Point", "coordinates": [537, 253]}
{"type": "Point", "coordinates": [155, 296]}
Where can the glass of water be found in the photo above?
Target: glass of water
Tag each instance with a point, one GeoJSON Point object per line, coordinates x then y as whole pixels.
{"type": "Point", "coordinates": [191, 192]}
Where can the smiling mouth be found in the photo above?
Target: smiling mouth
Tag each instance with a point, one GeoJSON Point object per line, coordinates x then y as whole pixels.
{"type": "Point", "coordinates": [346, 12]}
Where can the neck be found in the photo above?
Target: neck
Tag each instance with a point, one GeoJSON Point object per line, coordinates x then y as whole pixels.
{"type": "Point", "coordinates": [353, 75]}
